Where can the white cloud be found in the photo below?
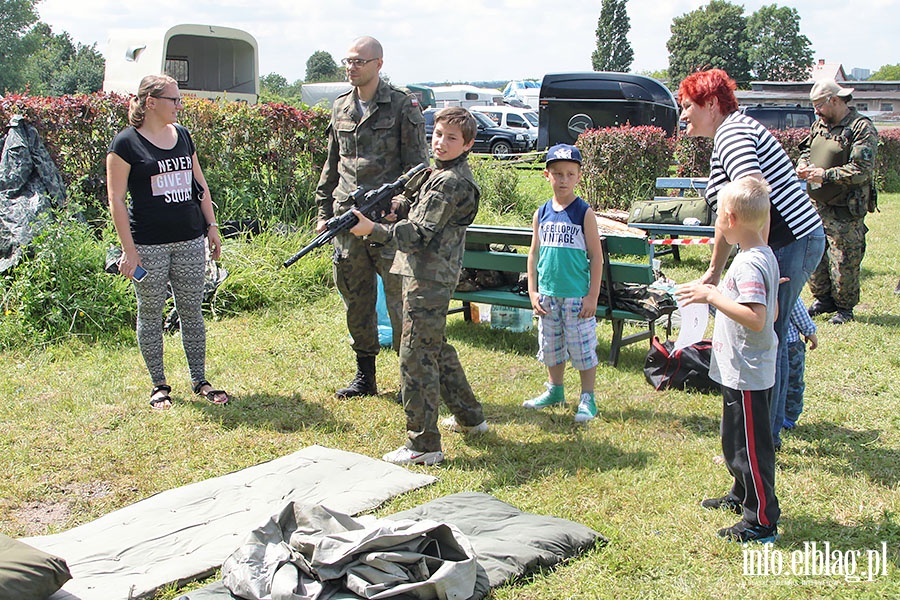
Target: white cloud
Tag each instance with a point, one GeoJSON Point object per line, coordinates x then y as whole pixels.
{"type": "Point", "coordinates": [467, 39]}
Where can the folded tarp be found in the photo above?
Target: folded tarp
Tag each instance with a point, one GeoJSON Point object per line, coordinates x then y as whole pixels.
{"type": "Point", "coordinates": [507, 542]}
{"type": "Point", "coordinates": [187, 533]}
{"type": "Point", "coordinates": [311, 553]}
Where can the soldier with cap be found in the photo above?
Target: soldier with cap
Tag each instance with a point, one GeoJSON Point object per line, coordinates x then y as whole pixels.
{"type": "Point", "coordinates": [376, 133]}
{"type": "Point", "coordinates": [837, 161]}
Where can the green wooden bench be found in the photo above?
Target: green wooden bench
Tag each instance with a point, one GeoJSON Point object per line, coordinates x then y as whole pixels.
{"type": "Point", "coordinates": [636, 269]}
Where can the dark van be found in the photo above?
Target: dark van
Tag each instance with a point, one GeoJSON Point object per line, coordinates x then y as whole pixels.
{"type": "Point", "coordinates": [781, 117]}
{"type": "Point", "coordinates": [570, 103]}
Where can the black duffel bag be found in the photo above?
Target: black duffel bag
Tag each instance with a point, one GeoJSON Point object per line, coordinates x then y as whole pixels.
{"type": "Point", "coordinates": [685, 368]}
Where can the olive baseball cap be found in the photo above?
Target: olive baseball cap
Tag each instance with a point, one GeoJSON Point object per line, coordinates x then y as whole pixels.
{"type": "Point", "coordinates": [826, 88]}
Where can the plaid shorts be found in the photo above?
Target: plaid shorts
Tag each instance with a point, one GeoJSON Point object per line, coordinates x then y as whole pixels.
{"type": "Point", "coordinates": [562, 335]}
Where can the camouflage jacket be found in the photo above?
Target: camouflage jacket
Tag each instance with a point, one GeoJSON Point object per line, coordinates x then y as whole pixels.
{"type": "Point", "coordinates": [370, 149]}
{"type": "Point", "coordinates": [849, 146]}
{"type": "Point", "coordinates": [431, 240]}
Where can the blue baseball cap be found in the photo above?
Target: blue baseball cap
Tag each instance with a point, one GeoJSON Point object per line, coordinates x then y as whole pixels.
{"type": "Point", "coordinates": [563, 152]}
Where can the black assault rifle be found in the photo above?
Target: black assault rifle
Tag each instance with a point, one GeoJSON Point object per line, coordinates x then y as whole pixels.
{"type": "Point", "coordinates": [374, 204]}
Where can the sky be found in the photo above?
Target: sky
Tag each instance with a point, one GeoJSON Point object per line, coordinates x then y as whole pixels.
{"type": "Point", "coordinates": [468, 40]}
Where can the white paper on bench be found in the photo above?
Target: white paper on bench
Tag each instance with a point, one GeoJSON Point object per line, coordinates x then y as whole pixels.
{"type": "Point", "coordinates": [188, 532]}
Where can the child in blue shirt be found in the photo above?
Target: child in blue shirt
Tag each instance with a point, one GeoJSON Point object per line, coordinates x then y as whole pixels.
{"type": "Point", "coordinates": [800, 325]}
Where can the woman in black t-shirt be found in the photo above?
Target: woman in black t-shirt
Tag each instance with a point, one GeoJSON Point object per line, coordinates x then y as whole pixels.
{"type": "Point", "coordinates": [164, 230]}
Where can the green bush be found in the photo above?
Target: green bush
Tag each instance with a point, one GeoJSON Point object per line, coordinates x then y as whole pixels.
{"type": "Point", "coordinates": [261, 161]}
{"type": "Point", "coordinates": [620, 164]}
{"type": "Point", "coordinates": [59, 289]}
{"type": "Point", "coordinates": [257, 280]}
{"type": "Point", "coordinates": [499, 184]}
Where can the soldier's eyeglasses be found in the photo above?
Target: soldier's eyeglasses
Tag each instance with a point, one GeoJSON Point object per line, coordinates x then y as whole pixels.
{"type": "Point", "coordinates": [356, 62]}
{"type": "Point", "coordinates": [821, 103]}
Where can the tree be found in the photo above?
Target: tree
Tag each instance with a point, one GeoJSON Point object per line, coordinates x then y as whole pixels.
{"type": "Point", "coordinates": [776, 49]}
{"type": "Point", "coordinates": [886, 73]}
{"type": "Point", "coordinates": [16, 16]}
{"type": "Point", "coordinates": [54, 66]}
{"type": "Point", "coordinates": [273, 82]}
{"type": "Point", "coordinates": [321, 67]}
{"type": "Point", "coordinates": [713, 36]}
{"type": "Point", "coordinates": [613, 51]}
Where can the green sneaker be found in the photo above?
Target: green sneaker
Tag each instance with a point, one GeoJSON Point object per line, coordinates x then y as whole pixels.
{"type": "Point", "coordinates": [587, 409]}
{"type": "Point", "coordinates": [553, 396]}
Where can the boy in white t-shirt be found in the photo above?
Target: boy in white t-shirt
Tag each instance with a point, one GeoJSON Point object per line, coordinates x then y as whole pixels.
{"type": "Point", "coordinates": [743, 359]}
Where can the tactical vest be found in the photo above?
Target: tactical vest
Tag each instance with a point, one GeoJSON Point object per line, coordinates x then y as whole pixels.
{"type": "Point", "coordinates": [831, 148]}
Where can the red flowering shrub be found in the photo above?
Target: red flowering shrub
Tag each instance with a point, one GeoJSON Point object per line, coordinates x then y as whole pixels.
{"type": "Point", "coordinates": [790, 140]}
{"type": "Point", "coordinates": [692, 156]}
{"type": "Point", "coordinates": [887, 161]}
{"type": "Point", "coordinates": [620, 164]}
{"type": "Point", "coordinates": [261, 161]}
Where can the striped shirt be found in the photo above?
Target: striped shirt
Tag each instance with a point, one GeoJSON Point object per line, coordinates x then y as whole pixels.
{"type": "Point", "coordinates": [743, 147]}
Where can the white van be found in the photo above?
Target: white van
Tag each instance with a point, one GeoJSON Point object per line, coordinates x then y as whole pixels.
{"type": "Point", "coordinates": [207, 61]}
{"type": "Point", "coordinates": [520, 119]}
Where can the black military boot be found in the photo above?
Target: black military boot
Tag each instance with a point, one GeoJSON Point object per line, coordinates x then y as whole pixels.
{"type": "Point", "coordinates": [364, 382]}
{"type": "Point", "coordinates": [844, 315]}
{"type": "Point", "coordinates": [822, 306]}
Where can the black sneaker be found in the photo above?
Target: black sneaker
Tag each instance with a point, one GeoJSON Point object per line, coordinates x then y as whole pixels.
{"type": "Point", "coordinates": [844, 315]}
{"type": "Point", "coordinates": [821, 307]}
{"type": "Point", "coordinates": [743, 532]}
{"type": "Point", "coordinates": [723, 503]}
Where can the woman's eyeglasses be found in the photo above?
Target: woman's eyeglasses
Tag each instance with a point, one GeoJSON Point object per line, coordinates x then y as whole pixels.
{"type": "Point", "coordinates": [176, 99]}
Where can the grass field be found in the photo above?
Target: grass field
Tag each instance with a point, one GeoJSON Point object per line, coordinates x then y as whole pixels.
{"type": "Point", "coordinates": [78, 440]}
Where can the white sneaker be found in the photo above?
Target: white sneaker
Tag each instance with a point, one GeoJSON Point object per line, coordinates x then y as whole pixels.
{"type": "Point", "coordinates": [451, 424]}
{"type": "Point", "coordinates": [408, 456]}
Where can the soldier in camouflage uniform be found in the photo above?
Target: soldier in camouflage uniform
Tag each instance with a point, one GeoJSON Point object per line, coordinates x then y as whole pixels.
{"type": "Point", "coordinates": [430, 242]}
{"type": "Point", "coordinates": [376, 133]}
{"type": "Point", "coordinates": [837, 161]}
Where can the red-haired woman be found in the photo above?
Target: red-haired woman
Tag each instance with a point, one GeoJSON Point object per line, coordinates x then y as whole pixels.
{"type": "Point", "coordinates": [744, 148]}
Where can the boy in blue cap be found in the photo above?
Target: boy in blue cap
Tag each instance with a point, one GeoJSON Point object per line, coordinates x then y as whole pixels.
{"type": "Point", "coordinates": [565, 266]}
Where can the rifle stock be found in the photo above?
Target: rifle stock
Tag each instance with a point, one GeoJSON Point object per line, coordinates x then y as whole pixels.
{"type": "Point", "coordinates": [374, 204]}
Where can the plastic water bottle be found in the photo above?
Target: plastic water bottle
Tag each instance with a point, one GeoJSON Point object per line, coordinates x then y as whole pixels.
{"type": "Point", "coordinates": [511, 319]}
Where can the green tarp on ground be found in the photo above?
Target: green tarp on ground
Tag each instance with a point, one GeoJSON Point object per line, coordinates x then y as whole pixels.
{"type": "Point", "coordinates": [187, 533]}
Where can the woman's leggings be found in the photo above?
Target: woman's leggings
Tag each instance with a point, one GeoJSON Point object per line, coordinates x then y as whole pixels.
{"type": "Point", "coordinates": [183, 264]}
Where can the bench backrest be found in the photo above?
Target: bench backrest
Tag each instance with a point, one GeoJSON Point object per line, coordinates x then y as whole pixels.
{"type": "Point", "coordinates": [680, 184]}
{"type": "Point", "coordinates": [628, 257]}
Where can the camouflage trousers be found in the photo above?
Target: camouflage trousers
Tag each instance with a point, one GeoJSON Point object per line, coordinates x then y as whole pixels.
{"type": "Point", "coordinates": [837, 276]}
{"type": "Point", "coordinates": [356, 262]}
{"type": "Point", "coordinates": [430, 370]}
